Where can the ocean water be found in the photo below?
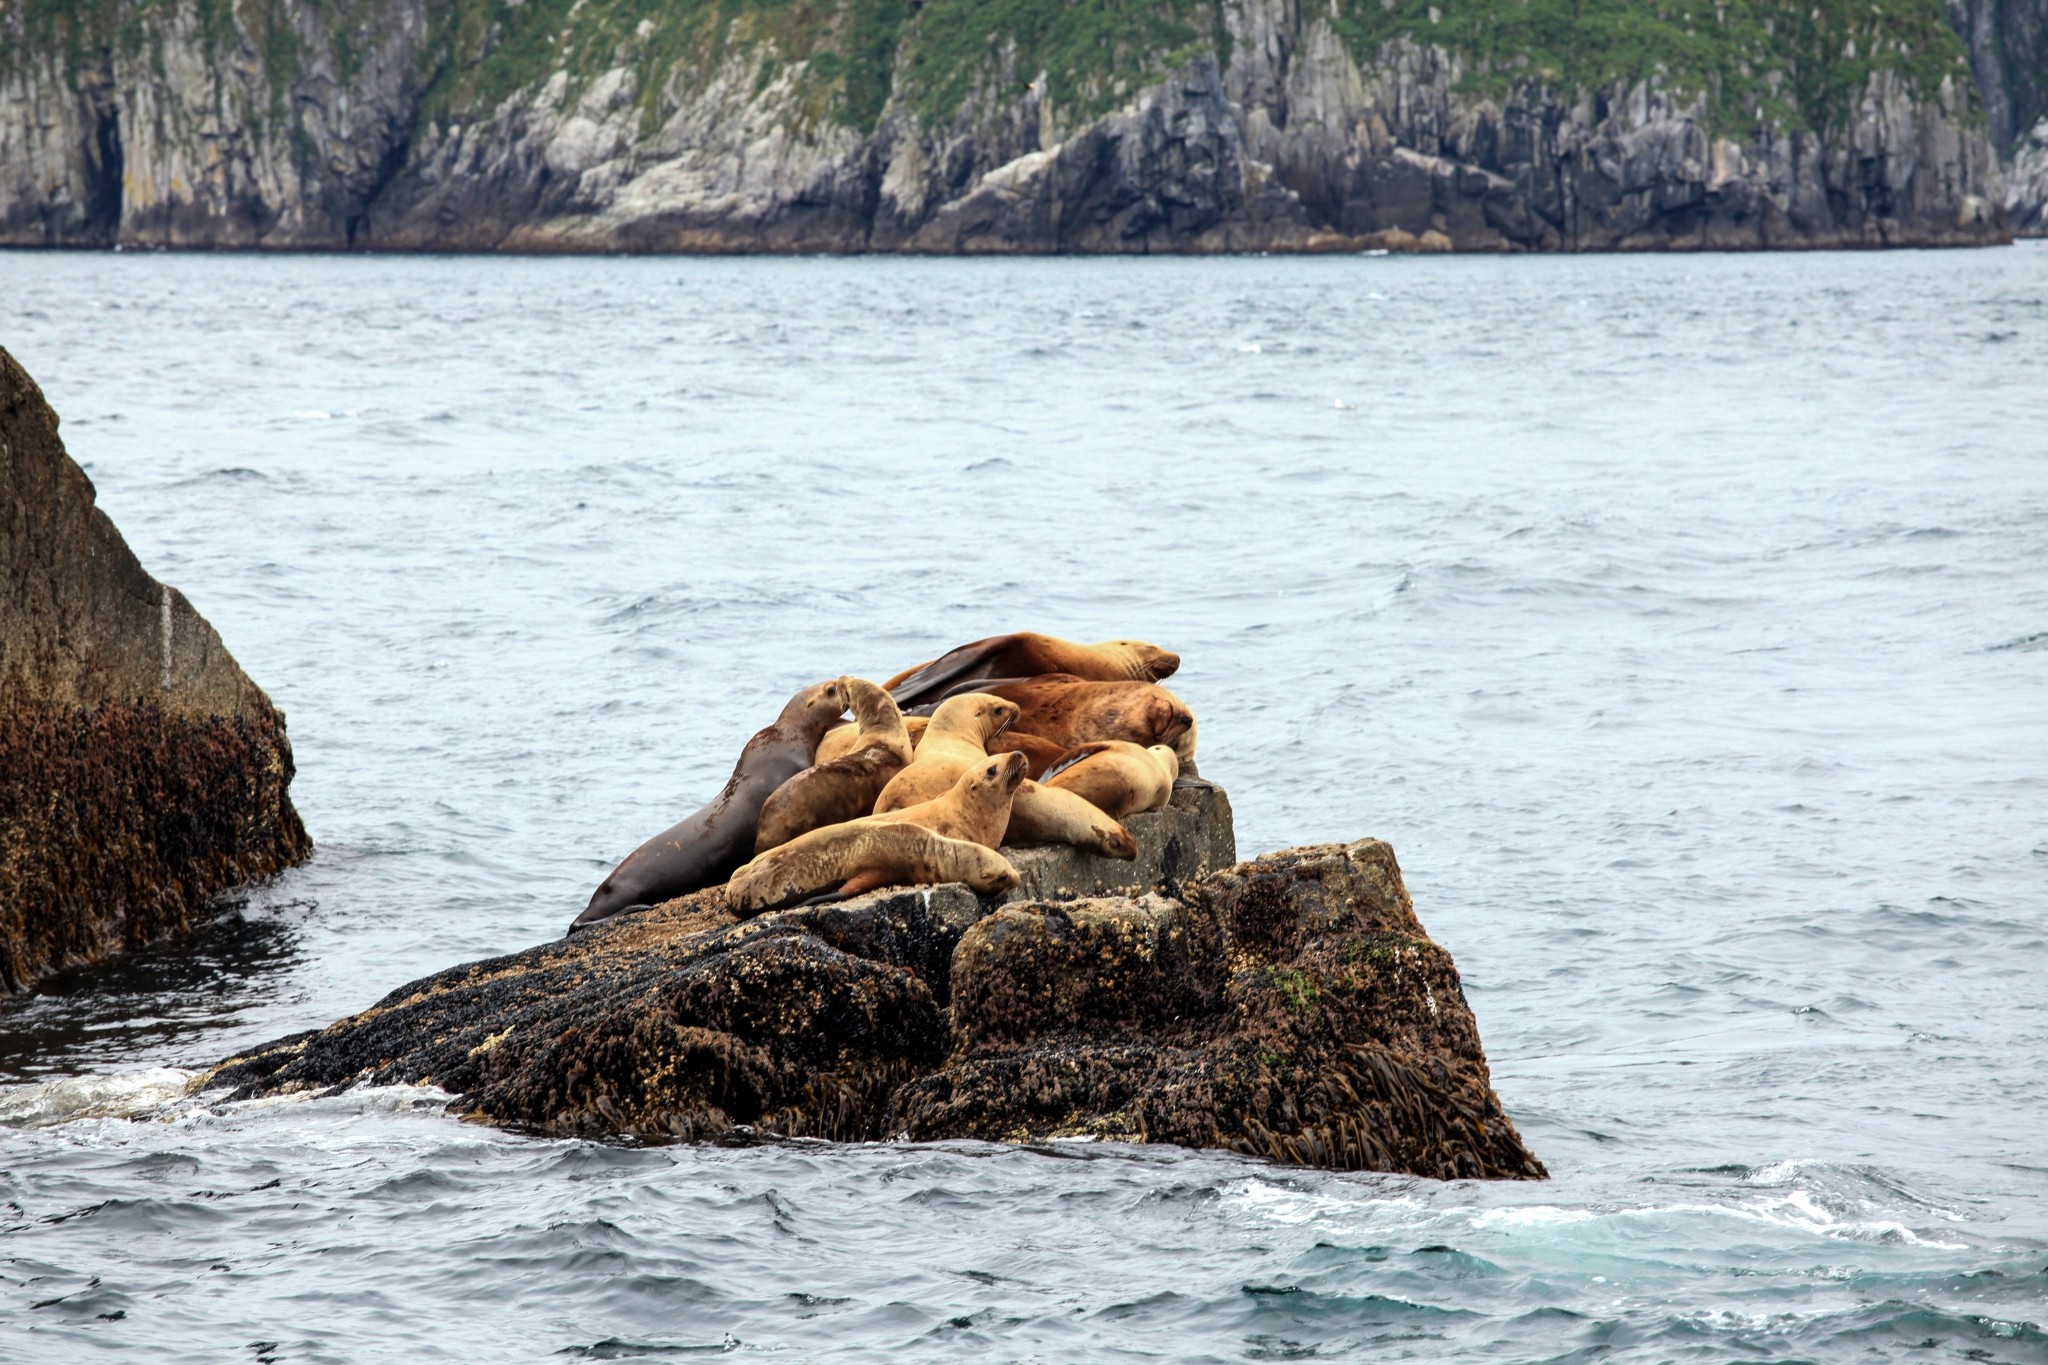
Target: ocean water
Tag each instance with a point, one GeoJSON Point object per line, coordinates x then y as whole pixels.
{"type": "Point", "coordinates": [1683, 623]}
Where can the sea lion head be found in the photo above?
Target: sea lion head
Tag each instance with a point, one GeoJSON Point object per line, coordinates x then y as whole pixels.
{"type": "Point", "coordinates": [975, 713]}
{"type": "Point", "coordinates": [1149, 663]}
{"type": "Point", "coordinates": [817, 708]}
{"type": "Point", "coordinates": [872, 707]}
{"type": "Point", "coordinates": [1168, 718]}
{"type": "Point", "coordinates": [1002, 774]}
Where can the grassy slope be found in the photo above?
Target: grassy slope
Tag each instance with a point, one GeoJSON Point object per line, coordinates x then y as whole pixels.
{"type": "Point", "coordinates": [1796, 63]}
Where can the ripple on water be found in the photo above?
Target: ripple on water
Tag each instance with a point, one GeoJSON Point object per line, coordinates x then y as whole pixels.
{"type": "Point", "coordinates": [1678, 620]}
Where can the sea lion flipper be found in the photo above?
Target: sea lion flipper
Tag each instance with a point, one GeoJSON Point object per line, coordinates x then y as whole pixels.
{"type": "Point", "coordinates": [1071, 757]}
{"type": "Point", "coordinates": [922, 684]}
{"type": "Point", "coordinates": [868, 879]}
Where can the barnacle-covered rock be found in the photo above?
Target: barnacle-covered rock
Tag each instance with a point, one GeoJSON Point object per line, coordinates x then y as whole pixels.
{"type": "Point", "coordinates": [141, 772]}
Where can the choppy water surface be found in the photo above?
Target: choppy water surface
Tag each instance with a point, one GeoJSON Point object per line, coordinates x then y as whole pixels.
{"type": "Point", "coordinates": [1683, 623]}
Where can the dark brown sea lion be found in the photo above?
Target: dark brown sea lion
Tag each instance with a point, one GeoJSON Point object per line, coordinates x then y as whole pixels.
{"type": "Point", "coordinates": [831, 792]}
{"type": "Point", "coordinates": [1075, 711]}
{"type": "Point", "coordinates": [1024, 654]}
{"type": "Point", "coordinates": [704, 849]}
{"type": "Point", "coordinates": [1118, 778]}
{"type": "Point", "coordinates": [950, 838]}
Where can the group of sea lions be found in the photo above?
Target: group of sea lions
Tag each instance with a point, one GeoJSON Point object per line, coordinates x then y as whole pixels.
{"type": "Point", "coordinates": [1021, 738]}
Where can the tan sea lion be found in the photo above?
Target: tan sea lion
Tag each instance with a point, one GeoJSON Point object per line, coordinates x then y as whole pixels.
{"type": "Point", "coordinates": [868, 856]}
{"type": "Point", "coordinates": [1075, 711]}
{"type": "Point", "coordinates": [843, 740]}
{"type": "Point", "coordinates": [843, 788]}
{"type": "Point", "coordinates": [957, 738]}
{"type": "Point", "coordinates": [975, 808]}
{"type": "Point", "coordinates": [1024, 654]}
{"type": "Point", "coordinates": [895, 849]}
{"type": "Point", "coordinates": [1116, 777]}
{"type": "Point", "coordinates": [703, 849]}
{"type": "Point", "coordinates": [1047, 815]}
{"type": "Point", "coordinates": [1043, 753]}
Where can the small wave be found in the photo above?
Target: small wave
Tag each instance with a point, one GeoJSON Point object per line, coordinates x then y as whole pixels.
{"type": "Point", "coordinates": [2038, 640]}
{"type": "Point", "coordinates": [122, 1095]}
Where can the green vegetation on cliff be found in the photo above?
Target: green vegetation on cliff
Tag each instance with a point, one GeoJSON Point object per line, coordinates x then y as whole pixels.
{"type": "Point", "coordinates": [1793, 63]}
{"type": "Point", "coordinates": [1802, 64]}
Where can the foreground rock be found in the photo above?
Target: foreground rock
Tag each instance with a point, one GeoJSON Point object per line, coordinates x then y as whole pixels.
{"type": "Point", "coordinates": [141, 772]}
{"type": "Point", "coordinates": [1290, 1007]}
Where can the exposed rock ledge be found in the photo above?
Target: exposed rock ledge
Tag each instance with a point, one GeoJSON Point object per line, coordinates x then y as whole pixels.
{"type": "Point", "coordinates": [141, 772]}
{"type": "Point", "coordinates": [1289, 1007]}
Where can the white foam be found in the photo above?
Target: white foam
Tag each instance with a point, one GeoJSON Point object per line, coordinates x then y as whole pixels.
{"type": "Point", "coordinates": [122, 1095]}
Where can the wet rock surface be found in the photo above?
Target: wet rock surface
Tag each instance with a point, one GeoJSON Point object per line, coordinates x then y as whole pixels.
{"type": "Point", "coordinates": [142, 773]}
{"type": "Point", "coordinates": [1289, 1007]}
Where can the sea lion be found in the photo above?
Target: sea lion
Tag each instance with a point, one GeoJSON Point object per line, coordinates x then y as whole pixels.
{"type": "Point", "coordinates": [1076, 711]}
{"type": "Point", "coordinates": [957, 738]}
{"type": "Point", "coordinates": [975, 808]}
{"type": "Point", "coordinates": [1047, 815]}
{"type": "Point", "coordinates": [704, 849]}
{"type": "Point", "coordinates": [844, 788]}
{"type": "Point", "coordinates": [844, 739]}
{"type": "Point", "coordinates": [1024, 654]}
{"type": "Point", "coordinates": [923, 844]}
{"type": "Point", "coordinates": [1118, 778]}
{"type": "Point", "coordinates": [1043, 753]}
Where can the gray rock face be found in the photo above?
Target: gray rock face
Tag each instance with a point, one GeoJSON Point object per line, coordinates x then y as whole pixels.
{"type": "Point", "coordinates": [141, 771]}
{"type": "Point", "coordinates": [1281, 138]}
{"type": "Point", "coordinates": [2008, 45]}
{"type": "Point", "coordinates": [2026, 184]}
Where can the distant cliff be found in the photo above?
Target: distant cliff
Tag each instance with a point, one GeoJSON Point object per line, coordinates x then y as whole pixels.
{"type": "Point", "coordinates": [1005, 125]}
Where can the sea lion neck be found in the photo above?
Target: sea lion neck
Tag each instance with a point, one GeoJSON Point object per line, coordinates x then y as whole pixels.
{"type": "Point", "coordinates": [873, 708]}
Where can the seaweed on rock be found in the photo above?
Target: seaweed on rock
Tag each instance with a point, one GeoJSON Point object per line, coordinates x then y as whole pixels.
{"type": "Point", "coordinates": [1291, 1007]}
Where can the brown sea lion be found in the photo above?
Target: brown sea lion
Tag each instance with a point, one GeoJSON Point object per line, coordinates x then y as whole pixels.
{"type": "Point", "coordinates": [957, 739]}
{"type": "Point", "coordinates": [1075, 711]}
{"type": "Point", "coordinates": [1024, 654]}
{"type": "Point", "coordinates": [922, 844]}
{"type": "Point", "coordinates": [1047, 815]}
{"type": "Point", "coordinates": [1042, 753]}
{"type": "Point", "coordinates": [841, 789]}
{"type": "Point", "coordinates": [703, 849]}
{"type": "Point", "coordinates": [1118, 778]}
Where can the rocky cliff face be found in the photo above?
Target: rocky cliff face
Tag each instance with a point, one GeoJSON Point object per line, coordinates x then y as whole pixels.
{"type": "Point", "coordinates": [141, 772]}
{"type": "Point", "coordinates": [2008, 44]}
{"type": "Point", "coordinates": [1291, 1007]}
{"type": "Point", "coordinates": [2026, 191]}
{"type": "Point", "coordinates": [1198, 125]}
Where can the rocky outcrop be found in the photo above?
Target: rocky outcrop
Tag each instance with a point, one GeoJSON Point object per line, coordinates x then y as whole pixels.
{"type": "Point", "coordinates": [1250, 125]}
{"type": "Point", "coordinates": [141, 772]}
{"type": "Point", "coordinates": [1291, 1007]}
{"type": "Point", "coordinates": [2008, 46]}
{"type": "Point", "coordinates": [2026, 184]}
